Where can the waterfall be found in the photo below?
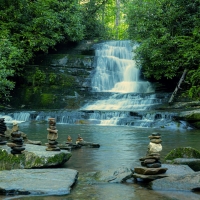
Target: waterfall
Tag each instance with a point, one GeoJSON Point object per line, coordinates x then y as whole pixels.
{"type": "Point", "coordinates": [119, 97]}
{"type": "Point", "coordinates": [116, 71]}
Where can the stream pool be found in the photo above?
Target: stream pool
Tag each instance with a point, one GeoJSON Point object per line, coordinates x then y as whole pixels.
{"type": "Point", "coordinates": [120, 146]}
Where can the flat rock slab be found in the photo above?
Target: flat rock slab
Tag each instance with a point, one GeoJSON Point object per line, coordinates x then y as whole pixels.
{"type": "Point", "coordinates": [37, 181]}
{"type": "Point", "coordinates": [172, 170]}
{"type": "Point", "coordinates": [186, 182]}
{"type": "Point", "coordinates": [33, 156]}
{"type": "Point", "coordinates": [193, 163]}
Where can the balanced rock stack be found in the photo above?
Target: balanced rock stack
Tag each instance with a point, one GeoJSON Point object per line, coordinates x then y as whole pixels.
{"type": "Point", "coordinates": [69, 140]}
{"type": "Point", "coordinates": [79, 139]}
{"type": "Point", "coordinates": [16, 140]}
{"type": "Point", "coordinates": [152, 159]}
{"type": "Point", "coordinates": [2, 131]}
{"type": "Point", "coordinates": [52, 136]}
{"type": "Point", "coordinates": [151, 162]}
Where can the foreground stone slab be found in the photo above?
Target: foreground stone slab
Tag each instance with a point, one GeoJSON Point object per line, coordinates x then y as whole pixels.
{"type": "Point", "coordinates": [37, 181]}
{"type": "Point", "coordinates": [186, 182]}
{"type": "Point", "coordinates": [172, 170]}
{"type": "Point", "coordinates": [33, 156]}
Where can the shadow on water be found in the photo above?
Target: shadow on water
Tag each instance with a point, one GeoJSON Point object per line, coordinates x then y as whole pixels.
{"type": "Point", "coordinates": [120, 146]}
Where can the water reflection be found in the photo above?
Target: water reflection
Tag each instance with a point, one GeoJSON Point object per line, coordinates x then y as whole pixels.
{"type": "Point", "coordinates": [120, 146]}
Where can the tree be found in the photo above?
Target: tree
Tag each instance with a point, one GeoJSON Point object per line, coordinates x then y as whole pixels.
{"type": "Point", "coordinates": [28, 27]}
{"type": "Point", "coordinates": [169, 38]}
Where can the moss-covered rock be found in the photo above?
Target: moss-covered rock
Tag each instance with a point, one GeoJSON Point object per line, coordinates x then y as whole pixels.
{"type": "Point", "coordinates": [183, 152]}
{"type": "Point", "coordinates": [34, 156]}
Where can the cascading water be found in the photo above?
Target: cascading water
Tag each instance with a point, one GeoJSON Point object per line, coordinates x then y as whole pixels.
{"type": "Point", "coordinates": [121, 97]}
{"type": "Point", "coordinates": [116, 70]}
{"type": "Point", "coordinates": [116, 73]}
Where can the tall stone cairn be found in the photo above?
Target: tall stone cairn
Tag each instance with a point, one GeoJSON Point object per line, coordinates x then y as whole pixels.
{"type": "Point", "coordinates": [151, 164]}
{"type": "Point", "coordinates": [152, 158]}
{"type": "Point", "coordinates": [52, 136]}
{"type": "Point", "coordinates": [17, 141]}
{"type": "Point", "coordinates": [2, 131]}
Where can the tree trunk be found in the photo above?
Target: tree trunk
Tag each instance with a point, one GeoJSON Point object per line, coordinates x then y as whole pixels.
{"type": "Point", "coordinates": [177, 87]}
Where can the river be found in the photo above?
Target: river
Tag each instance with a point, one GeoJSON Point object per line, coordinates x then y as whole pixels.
{"type": "Point", "coordinates": [120, 146]}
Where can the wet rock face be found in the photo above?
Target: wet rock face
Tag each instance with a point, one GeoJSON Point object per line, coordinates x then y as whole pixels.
{"type": "Point", "coordinates": [185, 156]}
{"type": "Point", "coordinates": [33, 157]}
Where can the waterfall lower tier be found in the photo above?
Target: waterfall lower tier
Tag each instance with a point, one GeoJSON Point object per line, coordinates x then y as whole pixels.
{"type": "Point", "coordinates": [121, 102]}
{"type": "Point", "coordinates": [149, 118]}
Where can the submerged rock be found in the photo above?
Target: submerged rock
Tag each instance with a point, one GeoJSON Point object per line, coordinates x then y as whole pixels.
{"type": "Point", "coordinates": [114, 176]}
{"type": "Point", "coordinates": [37, 181]}
{"type": "Point", "coordinates": [33, 157]}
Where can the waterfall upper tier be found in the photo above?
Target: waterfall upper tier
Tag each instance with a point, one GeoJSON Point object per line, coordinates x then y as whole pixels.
{"type": "Point", "coordinates": [116, 71]}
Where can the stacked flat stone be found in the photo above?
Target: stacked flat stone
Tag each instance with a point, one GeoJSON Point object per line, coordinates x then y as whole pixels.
{"type": "Point", "coordinates": [17, 141]}
{"type": "Point", "coordinates": [152, 159]}
{"type": "Point", "coordinates": [2, 131]}
{"type": "Point", "coordinates": [52, 136]}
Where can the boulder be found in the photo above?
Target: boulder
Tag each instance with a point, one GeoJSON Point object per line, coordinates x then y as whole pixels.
{"type": "Point", "coordinates": [37, 181]}
{"type": "Point", "coordinates": [34, 156]}
{"type": "Point", "coordinates": [183, 152]}
{"type": "Point", "coordinates": [192, 116]}
{"type": "Point", "coordinates": [114, 176]}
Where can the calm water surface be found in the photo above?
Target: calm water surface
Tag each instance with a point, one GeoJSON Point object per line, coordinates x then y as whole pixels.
{"type": "Point", "coordinates": [120, 146]}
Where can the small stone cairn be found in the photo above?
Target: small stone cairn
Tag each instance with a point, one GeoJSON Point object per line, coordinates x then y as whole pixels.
{"type": "Point", "coordinates": [151, 162]}
{"type": "Point", "coordinates": [17, 141]}
{"type": "Point", "coordinates": [52, 136]}
{"type": "Point", "coordinates": [69, 140]}
{"type": "Point", "coordinates": [79, 139]}
{"type": "Point", "coordinates": [2, 131]}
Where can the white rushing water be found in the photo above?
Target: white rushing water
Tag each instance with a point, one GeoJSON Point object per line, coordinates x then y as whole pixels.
{"type": "Point", "coordinates": [116, 70]}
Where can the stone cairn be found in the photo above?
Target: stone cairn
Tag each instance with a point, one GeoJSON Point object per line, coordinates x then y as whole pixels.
{"type": "Point", "coordinates": [151, 162]}
{"type": "Point", "coordinates": [52, 136]}
{"type": "Point", "coordinates": [16, 140]}
{"type": "Point", "coordinates": [2, 131]}
{"type": "Point", "coordinates": [69, 140]}
{"type": "Point", "coordinates": [79, 139]}
{"type": "Point", "coordinates": [152, 159]}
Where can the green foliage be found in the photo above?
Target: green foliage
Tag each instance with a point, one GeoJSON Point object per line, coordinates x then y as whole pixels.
{"type": "Point", "coordinates": [52, 78]}
{"type": "Point", "coordinates": [39, 77]}
{"type": "Point", "coordinates": [27, 27]}
{"type": "Point", "coordinates": [169, 38]}
{"type": "Point", "coordinates": [46, 99]}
